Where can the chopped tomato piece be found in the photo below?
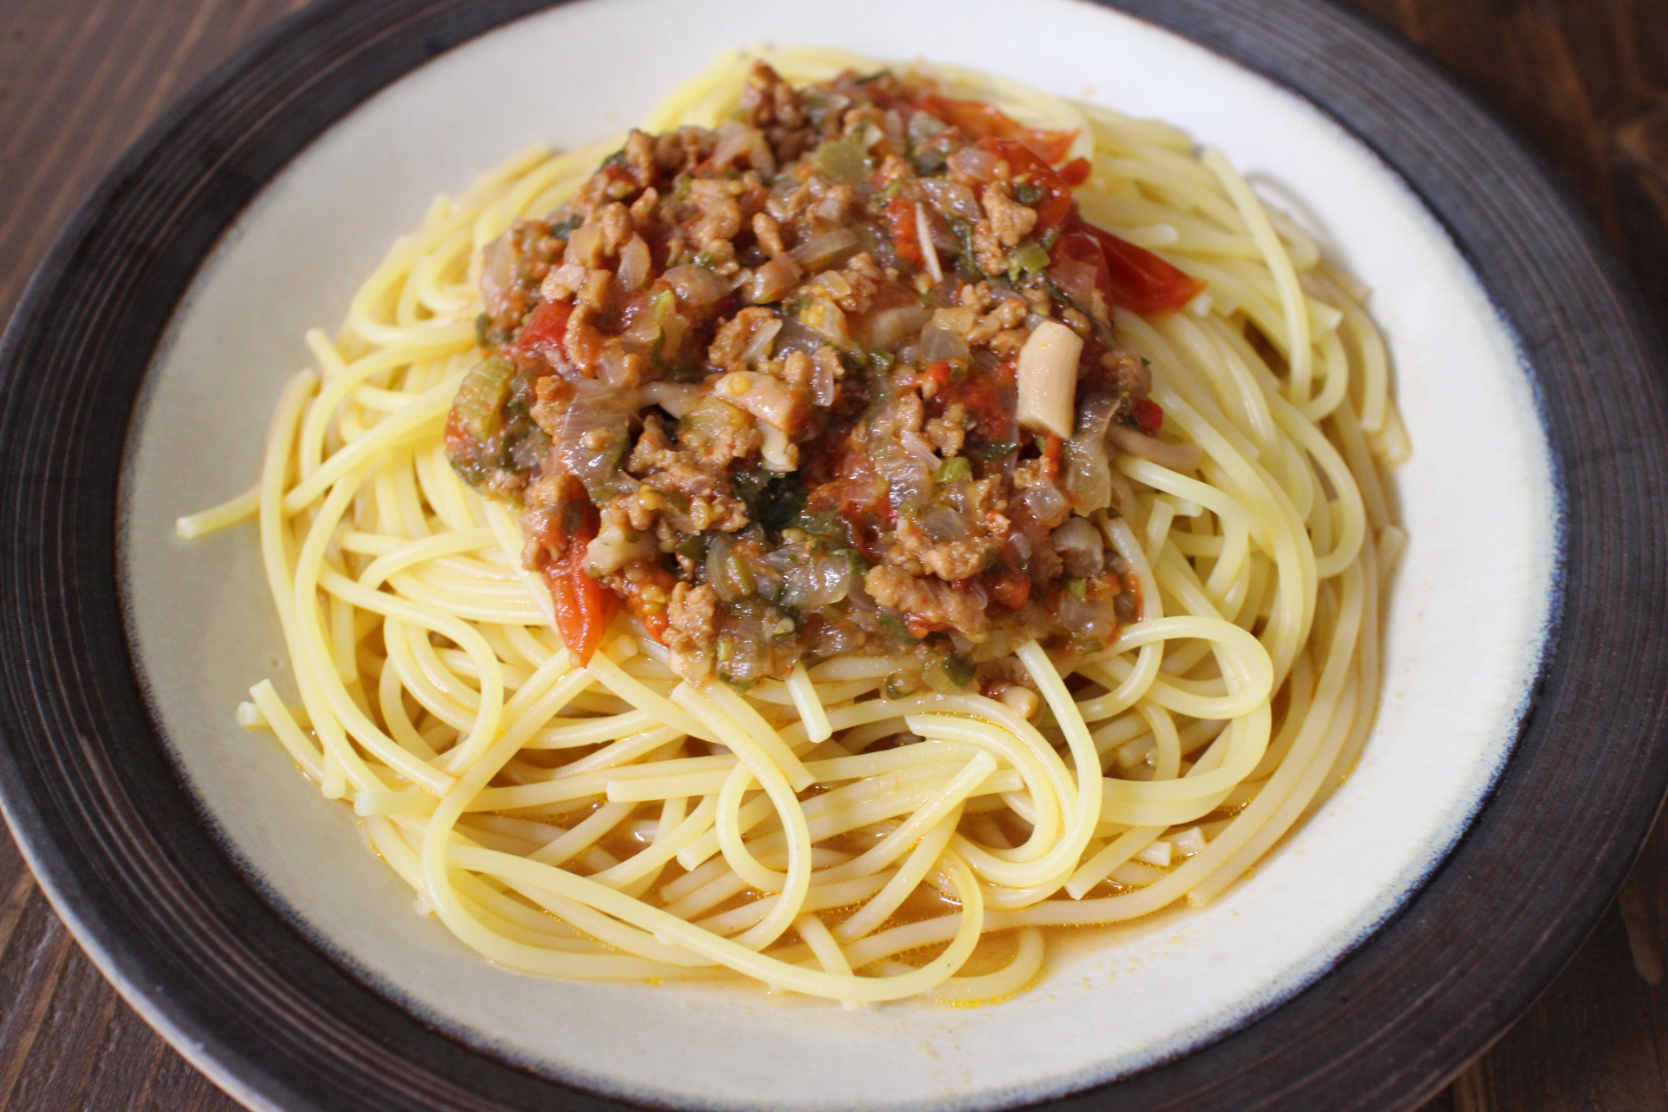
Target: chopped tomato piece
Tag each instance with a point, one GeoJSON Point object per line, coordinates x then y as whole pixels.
{"type": "Point", "coordinates": [983, 396]}
{"type": "Point", "coordinates": [1125, 274]}
{"type": "Point", "coordinates": [1076, 172]}
{"type": "Point", "coordinates": [1012, 590]}
{"type": "Point", "coordinates": [545, 329]}
{"type": "Point", "coordinates": [1079, 264]}
{"type": "Point", "coordinates": [1051, 449]}
{"type": "Point", "coordinates": [986, 121]}
{"type": "Point", "coordinates": [906, 235]}
{"type": "Point", "coordinates": [584, 607]}
{"type": "Point", "coordinates": [1141, 280]}
{"type": "Point", "coordinates": [647, 596]}
{"type": "Point", "coordinates": [919, 627]}
{"type": "Point", "coordinates": [1054, 209]}
{"type": "Point", "coordinates": [938, 373]}
{"type": "Point", "coordinates": [1149, 416]}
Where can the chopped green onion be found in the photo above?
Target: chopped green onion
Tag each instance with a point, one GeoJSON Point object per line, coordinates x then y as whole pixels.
{"type": "Point", "coordinates": [960, 669]}
{"type": "Point", "coordinates": [1028, 193]}
{"type": "Point", "coordinates": [1030, 257]}
{"type": "Point", "coordinates": [743, 575]}
{"type": "Point", "coordinates": [956, 469]}
{"type": "Point", "coordinates": [843, 160]}
{"type": "Point", "coordinates": [479, 403]}
{"type": "Point", "coordinates": [964, 241]}
{"type": "Point", "coordinates": [893, 623]}
{"type": "Point", "coordinates": [859, 563]}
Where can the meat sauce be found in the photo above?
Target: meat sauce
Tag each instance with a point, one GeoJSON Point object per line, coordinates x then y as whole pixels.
{"type": "Point", "coordinates": [757, 386]}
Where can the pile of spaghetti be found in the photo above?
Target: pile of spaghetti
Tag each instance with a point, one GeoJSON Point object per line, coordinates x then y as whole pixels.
{"type": "Point", "coordinates": [891, 798]}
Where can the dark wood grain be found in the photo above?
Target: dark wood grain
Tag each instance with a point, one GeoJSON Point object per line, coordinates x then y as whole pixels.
{"type": "Point", "coordinates": [1584, 81]}
{"type": "Point", "coordinates": [79, 81]}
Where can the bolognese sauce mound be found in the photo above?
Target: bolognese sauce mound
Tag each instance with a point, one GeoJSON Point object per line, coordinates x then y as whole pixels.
{"type": "Point", "coordinates": [837, 376]}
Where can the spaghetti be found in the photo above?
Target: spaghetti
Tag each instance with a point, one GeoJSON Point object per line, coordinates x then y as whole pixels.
{"type": "Point", "coordinates": [610, 810]}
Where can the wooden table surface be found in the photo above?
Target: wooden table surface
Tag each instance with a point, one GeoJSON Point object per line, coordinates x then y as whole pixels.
{"type": "Point", "coordinates": [1584, 81]}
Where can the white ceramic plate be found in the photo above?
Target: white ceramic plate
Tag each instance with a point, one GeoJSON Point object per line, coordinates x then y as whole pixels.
{"type": "Point", "coordinates": [1466, 633]}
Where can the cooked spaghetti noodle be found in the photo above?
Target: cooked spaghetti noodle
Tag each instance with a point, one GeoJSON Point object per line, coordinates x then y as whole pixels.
{"type": "Point", "coordinates": [819, 830]}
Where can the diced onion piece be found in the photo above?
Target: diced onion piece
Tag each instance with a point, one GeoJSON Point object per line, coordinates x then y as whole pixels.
{"type": "Point", "coordinates": [943, 524]}
{"type": "Point", "coordinates": [771, 281]}
{"type": "Point", "coordinates": [778, 453]}
{"type": "Point", "coordinates": [827, 249]}
{"type": "Point", "coordinates": [1021, 700]}
{"type": "Point", "coordinates": [1156, 854]}
{"type": "Point", "coordinates": [975, 162]}
{"type": "Point", "coordinates": [950, 198]}
{"type": "Point", "coordinates": [759, 346]}
{"type": "Point", "coordinates": [1048, 379]}
{"type": "Point", "coordinates": [928, 252]}
{"type": "Point", "coordinates": [887, 328]}
{"type": "Point", "coordinates": [736, 139]}
{"type": "Point", "coordinates": [675, 398]}
{"type": "Point", "coordinates": [696, 285]}
{"type": "Point", "coordinates": [1079, 546]}
{"type": "Point", "coordinates": [765, 397]}
{"type": "Point", "coordinates": [1185, 456]}
{"type": "Point", "coordinates": [1189, 841]}
{"type": "Point", "coordinates": [822, 383]}
{"type": "Point", "coordinates": [635, 264]}
{"type": "Point", "coordinates": [498, 272]}
{"type": "Point", "coordinates": [942, 344]}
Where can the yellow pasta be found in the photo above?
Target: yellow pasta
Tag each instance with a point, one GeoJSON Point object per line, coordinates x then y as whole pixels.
{"type": "Point", "coordinates": [614, 820]}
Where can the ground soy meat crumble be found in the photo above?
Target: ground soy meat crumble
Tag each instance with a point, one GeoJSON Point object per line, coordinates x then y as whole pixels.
{"type": "Point", "coordinates": [835, 377]}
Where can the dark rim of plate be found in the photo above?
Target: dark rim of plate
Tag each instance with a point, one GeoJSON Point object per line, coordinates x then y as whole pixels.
{"type": "Point", "coordinates": [118, 844]}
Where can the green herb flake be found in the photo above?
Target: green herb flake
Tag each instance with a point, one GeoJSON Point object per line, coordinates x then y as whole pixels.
{"type": "Point", "coordinates": [969, 260]}
{"type": "Point", "coordinates": [773, 501]}
{"type": "Point", "coordinates": [959, 669]}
